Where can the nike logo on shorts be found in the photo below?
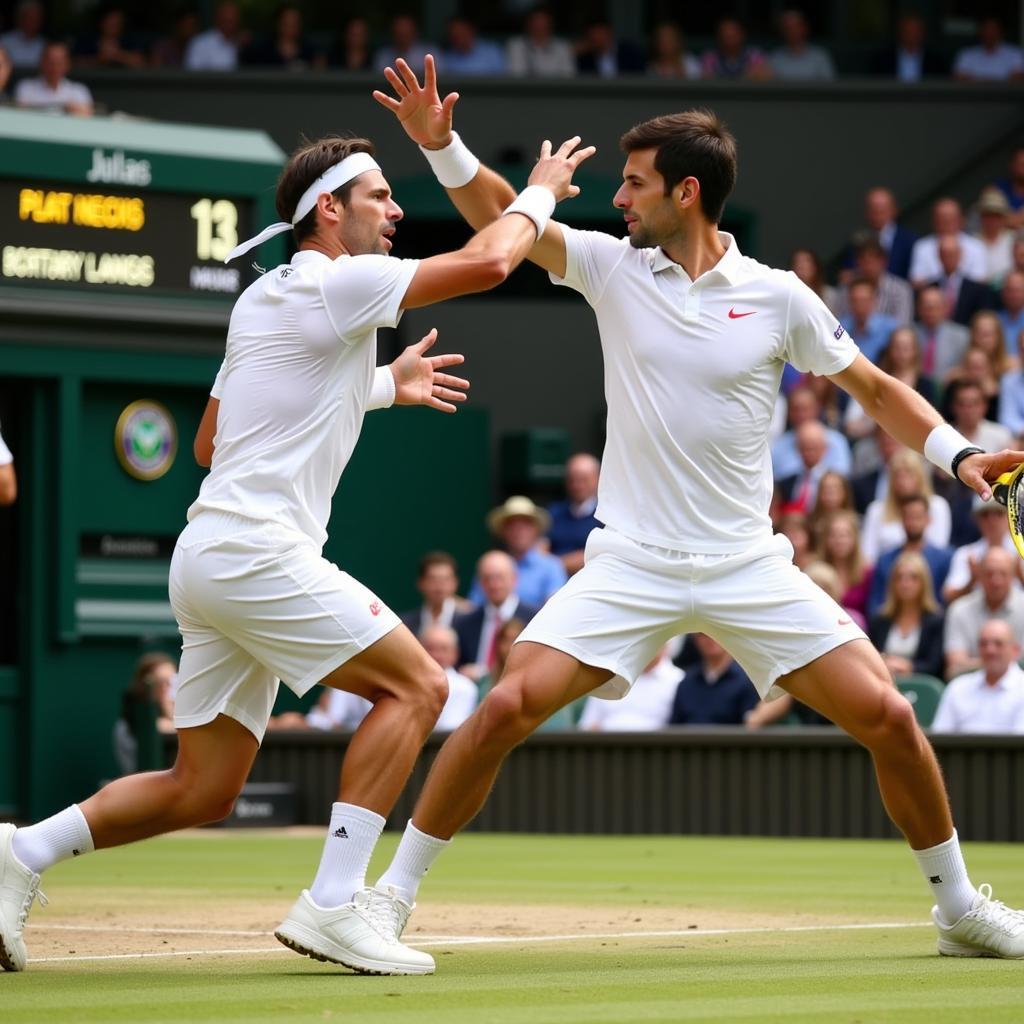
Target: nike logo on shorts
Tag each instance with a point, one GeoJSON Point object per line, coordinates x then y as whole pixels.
{"type": "Point", "coordinates": [845, 622]}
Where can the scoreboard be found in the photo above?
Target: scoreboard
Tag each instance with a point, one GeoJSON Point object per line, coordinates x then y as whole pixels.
{"type": "Point", "coordinates": [121, 219]}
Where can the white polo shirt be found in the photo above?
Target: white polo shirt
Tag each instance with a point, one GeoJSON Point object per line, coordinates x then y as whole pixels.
{"type": "Point", "coordinates": [969, 704]}
{"type": "Point", "coordinates": [692, 371]}
{"type": "Point", "coordinates": [294, 385]}
{"type": "Point", "coordinates": [647, 706]}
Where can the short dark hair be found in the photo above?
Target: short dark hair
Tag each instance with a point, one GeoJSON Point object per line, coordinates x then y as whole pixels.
{"type": "Point", "coordinates": [304, 166]}
{"type": "Point", "coordinates": [694, 144]}
{"type": "Point", "coordinates": [863, 282]}
{"type": "Point", "coordinates": [432, 558]}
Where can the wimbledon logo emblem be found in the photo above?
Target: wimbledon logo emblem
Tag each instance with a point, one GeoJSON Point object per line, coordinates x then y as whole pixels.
{"type": "Point", "coordinates": [146, 440]}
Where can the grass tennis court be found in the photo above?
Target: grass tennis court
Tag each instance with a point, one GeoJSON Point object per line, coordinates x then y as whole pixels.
{"type": "Point", "coordinates": [524, 929]}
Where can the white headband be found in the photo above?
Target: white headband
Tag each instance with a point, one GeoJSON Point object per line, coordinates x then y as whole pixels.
{"type": "Point", "coordinates": [330, 181]}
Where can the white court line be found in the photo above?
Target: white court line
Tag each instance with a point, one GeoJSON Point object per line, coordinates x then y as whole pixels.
{"type": "Point", "coordinates": [132, 930]}
{"type": "Point", "coordinates": [482, 940]}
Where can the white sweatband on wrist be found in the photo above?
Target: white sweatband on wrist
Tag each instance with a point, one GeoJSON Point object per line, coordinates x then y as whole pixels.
{"type": "Point", "coordinates": [453, 166]}
{"type": "Point", "coordinates": [535, 202]}
{"type": "Point", "coordinates": [943, 444]}
{"type": "Point", "coordinates": [382, 394]}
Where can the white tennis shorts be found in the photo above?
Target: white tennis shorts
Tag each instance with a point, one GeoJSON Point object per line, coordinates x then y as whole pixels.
{"type": "Point", "coordinates": [257, 603]}
{"type": "Point", "coordinates": [630, 598]}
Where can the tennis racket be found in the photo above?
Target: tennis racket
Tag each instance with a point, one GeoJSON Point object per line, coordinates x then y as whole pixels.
{"type": "Point", "coordinates": [1008, 490]}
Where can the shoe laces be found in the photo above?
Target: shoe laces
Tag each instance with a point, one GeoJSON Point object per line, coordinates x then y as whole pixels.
{"type": "Point", "coordinates": [998, 914]}
{"type": "Point", "coordinates": [32, 893]}
{"type": "Point", "coordinates": [383, 910]}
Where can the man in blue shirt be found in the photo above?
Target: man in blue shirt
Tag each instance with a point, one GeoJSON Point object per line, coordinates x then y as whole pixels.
{"type": "Point", "coordinates": [716, 692]}
{"type": "Point", "coordinates": [573, 519]}
{"type": "Point", "coordinates": [869, 328]}
{"type": "Point", "coordinates": [466, 54]}
{"type": "Point", "coordinates": [1012, 314]}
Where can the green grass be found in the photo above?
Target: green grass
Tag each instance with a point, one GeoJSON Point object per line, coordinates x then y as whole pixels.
{"type": "Point", "coordinates": [827, 975]}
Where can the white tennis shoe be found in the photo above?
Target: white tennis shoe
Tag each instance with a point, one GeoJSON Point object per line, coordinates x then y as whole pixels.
{"type": "Point", "coordinates": [19, 887]}
{"type": "Point", "coordinates": [989, 928]}
{"type": "Point", "coordinates": [362, 935]}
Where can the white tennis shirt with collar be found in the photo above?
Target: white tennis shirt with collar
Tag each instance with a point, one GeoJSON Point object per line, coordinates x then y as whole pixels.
{"type": "Point", "coordinates": [692, 371]}
{"type": "Point", "coordinates": [294, 385]}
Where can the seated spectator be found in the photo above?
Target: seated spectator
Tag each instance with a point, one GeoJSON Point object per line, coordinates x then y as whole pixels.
{"type": "Point", "coordinates": [914, 518]}
{"type": "Point", "coordinates": [287, 48]}
{"type": "Point", "coordinates": [405, 43]}
{"type": "Point", "coordinates": [880, 218]}
{"type": "Point", "coordinates": [907, 626]}
{"type": "Point", "coordinates": [477, 630]}
{"type": "Point", "coordinates": [995, 597]}
{"type": "Point", "coordinates": [992, 60]}
{"type": "Point", "coordinates": [438, 582]}
{"type": "Point", "coordinates": [717, 692]}
{"type": "Point", "coordinates": [170, 49]}
{"type": "Point", "coordinates": [8, 478]}
{"type": "Point", "coordinates": [822, 574]}
{"type": "Point", "coordinates": [883, 523]}
{"type": "Point", "coordinates": [796, 59]}
{"type": "Point", "coordinates": [895, 298]}
{"type": "Point", "coordinates": [947, 220]}
{"type": "Point", "coordinates": [834, 495]}
{"type": "Point", "coordinates": [910, 60]}
{"type": "Point", "coordinates": [1012, 186]}
{"type": "Point", "coordinates": [995, 234]}
{"type": "Point", "coordinates": [804, 407]}
{"type": "Point", "coordinates": [901, 358]}
{"type": "Point", "coordinates": [600, 53]}
{"type": "Point", "coordinates": [1011, 316]}
{"type": "Point", "coordinates": [153, 683]}
{"type": "Point", "coordinates": [989, 335]}
{"type": "Point", "coordinates": [963, 296]}
{"type": "Point", "coordinates": [991, 699]}
{"type": "Point", "coordinates": [731, 57]}
{"type": "Point", "coordinates": [336, 709]}
{"type": "Point", "coordinates": [110, 47]}
{"type": "Point", "coordinates": [467, 54]}
{"type": "Point", "coordinates": [5, 77]}
{"type": "Point", "coordinates": [217, 48]}
{"type": "Point", "coordinates": [520, 524]}
{"type": "Point", "coordinates": [352, 51]}
{"type": "Point", "coordinates": [53, 90]}
{"type": "Point", "coordinates": [25, 42]}
{"type": "Point", "coordinates": [976, 368]}
{"type": "Point", "coordinates": [442, 644]}
{"type": "Point", "coordinates": [870, 477]}
{"type": "Point", "coordinates": [647, 706]}
{"type": "Point", "coordinates": [806, 265]}
{"type": "Point", "coordinates": [943, 342]}
{"type": "Point", "coordinates": [538, 51]}
{"type": "Point", "coordinates": [968, 404]}
{"type": "Point", "coordinates": [1018, 249]}
{"type": "Point", "coordinates": [1011, 396]}
{"type": "Point", "coordinates": [864, 323]}
{"type": "Point", "coordinates": [794, 526]}
{"type": "Point", "coordinates": [840, 549]}
{"type": "Point", "coordinates": [669, 58]}
{"type": "Point", "coordinates": [800, 492]}
{"type": "Point", "coordinates": [995, 533]}
{"type": "Point", "coordinates": [574, 518]}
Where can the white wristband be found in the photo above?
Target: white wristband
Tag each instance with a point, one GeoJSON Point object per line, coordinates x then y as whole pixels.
{"type": "Point", "coordinates": [382, 394]}
{"type": "Point", "coordinates": [535, 202]}
{"type": "Point", "coordinates": [943, 444]}
{"type": "Point", "coordinates": [453, 166]}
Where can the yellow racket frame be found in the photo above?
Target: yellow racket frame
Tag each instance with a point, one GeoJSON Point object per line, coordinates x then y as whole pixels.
{"type": "Point", "coordinates": [1006, 490]}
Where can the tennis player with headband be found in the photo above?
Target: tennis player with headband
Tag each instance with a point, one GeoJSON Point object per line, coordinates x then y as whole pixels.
{"type": "Point", "coordinates": [695, 336]}
{"type": "Point", "coordinates": [255, 599]}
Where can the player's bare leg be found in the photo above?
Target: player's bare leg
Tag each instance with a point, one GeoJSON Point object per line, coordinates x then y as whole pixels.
{"type": "Point", "coordinates": [851, 686]}
{"type": "Point", "coordinates": [537, 682]}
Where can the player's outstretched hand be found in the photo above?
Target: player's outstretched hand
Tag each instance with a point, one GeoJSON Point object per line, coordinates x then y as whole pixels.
{"type": "Point", "coordinates": [555, 170]}
{"type": "Point", "coordinates": [420, 380]}
{"type": "Point", "coordinates": [981, 470]}
{"type": "Point", "coordinates": [427, 119]}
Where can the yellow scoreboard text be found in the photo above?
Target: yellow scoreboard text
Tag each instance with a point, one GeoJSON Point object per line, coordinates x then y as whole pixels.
{"type": "Point", "coordinates": [85, 209]}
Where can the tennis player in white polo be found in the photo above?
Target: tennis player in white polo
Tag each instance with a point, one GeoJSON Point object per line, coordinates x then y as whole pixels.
{"type": "Point", "coordinates": [255, 599]}
{"type": "Point", "coordinates": [695, 336]}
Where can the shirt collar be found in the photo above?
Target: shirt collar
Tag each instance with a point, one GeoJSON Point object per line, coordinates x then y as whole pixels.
{"type": "Point", "coordinates": [506, 609]}
{"type": "Point", "coordinates": [728, 266]}
{"type": "Point", "coordinates": [1007, 679]}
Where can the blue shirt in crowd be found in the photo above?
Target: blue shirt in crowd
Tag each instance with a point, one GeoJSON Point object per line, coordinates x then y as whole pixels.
{"type": "Point", "coordinates": [570, 527]}
{"type": "Point", "coordinates": [938, 560]}
{"type": "Point", "coordinates": [874, 336]}
{"type": "Point", "coordinates": [1012, 326]}
{"type": "Point", "coordinates": [540, 575]}
{"type": "Point", "coordinates": [726, 701]}
{"type": "Point", "coordinates": [484, 59]}
{"type": "Point", "coordinates": [1011, 402]}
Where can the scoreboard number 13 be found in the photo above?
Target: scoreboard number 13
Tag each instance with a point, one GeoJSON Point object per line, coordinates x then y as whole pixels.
{"type": "Point", "coordinates": [216, 228]}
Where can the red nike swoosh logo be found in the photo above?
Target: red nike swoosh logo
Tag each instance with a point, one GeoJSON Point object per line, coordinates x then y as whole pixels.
{"type": "Point", "coordinates": [733, 315]}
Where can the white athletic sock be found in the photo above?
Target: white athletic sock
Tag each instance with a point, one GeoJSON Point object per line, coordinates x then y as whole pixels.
{"type": "Point", "coordinates": [944, 867]}
{"type": "Point", "coordinates": [351, 837]}
{"type": "Point", "coordinates": [415, 853]}
{"type": "Point", "coordinates": [52, 840]}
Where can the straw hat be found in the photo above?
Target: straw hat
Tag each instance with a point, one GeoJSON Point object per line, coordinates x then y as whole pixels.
{"type": "Point", "coordinates": [518, 505]}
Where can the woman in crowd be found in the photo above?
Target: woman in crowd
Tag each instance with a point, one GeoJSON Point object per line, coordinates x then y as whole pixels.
{"type": "Point", "coordinates": [834, 494]}
{"type": "Point", "coordinates": [669, 58]}
{"type": "Point", "coordinates": [841, 548]}
{"type": "Point", "coordinates": [152, 683]}
{"type": "Point", "coordinates": [883, 525]}
{"type": "Point", "coordinates": [806, 265]}
{"type": "Point", "coordinates": [908, 627]}
{"type": "Point", "coordinates": [794, 525]}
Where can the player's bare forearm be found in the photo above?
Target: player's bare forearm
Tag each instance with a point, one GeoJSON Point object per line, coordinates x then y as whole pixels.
{"type": "Point", "coordinates": [484, 199]}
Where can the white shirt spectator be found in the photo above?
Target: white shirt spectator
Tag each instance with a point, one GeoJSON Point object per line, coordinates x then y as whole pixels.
{"type": "Point", "coordinates": [24, 51]}
{"type": "Point", "coordinates": [967, 614]}
{"type": "Point", "coordinates": [211, 51]}
{"type": "Point", "coordinates": [554, 59]}
{"type": "Point", "coordinates": [969, 704]}
{"type": "Point", "coordinates": [998, 258]}
{"type": "Point", "coordinates": [992, 65]}
{"type": "Point", "coordinates": [647, 706]}
{"type": "Point", "coordinates": [462, 699]}
{"type": "Point", "coordinates": [959, 574]}
{"type": "Point", "coordinates": [338, 710]}
{"type": "Point", "coordinates": [925, 265]}
{"type": "Point", "coordinates": [39, 95]}
{"type": "Point", "coordinates": [878, 536]}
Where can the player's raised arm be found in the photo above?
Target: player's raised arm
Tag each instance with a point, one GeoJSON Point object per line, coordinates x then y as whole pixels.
{"type": "Point", "coordinates": [480, 194]}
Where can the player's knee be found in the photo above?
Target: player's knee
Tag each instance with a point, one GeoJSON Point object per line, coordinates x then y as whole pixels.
{"type": "Point", "coordinates": [503, 715]}
{"type": "Point", "coordinates": [898, 725]}
{"type": "Point", "coordinates": [435, 689]}
{"type": "Point", "coordinates": [203, 800]}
